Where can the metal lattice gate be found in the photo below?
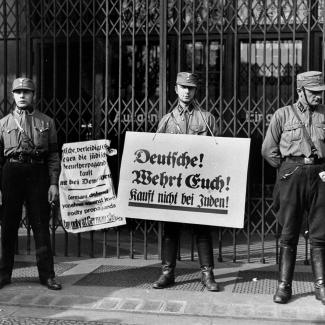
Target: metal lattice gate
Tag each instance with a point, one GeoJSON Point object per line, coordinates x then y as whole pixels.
{"type": "Point", "coordinates": [105, 67]}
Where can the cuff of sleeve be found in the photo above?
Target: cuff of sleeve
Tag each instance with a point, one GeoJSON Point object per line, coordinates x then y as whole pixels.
{"type": "Point", "coordinates": [54, 179]}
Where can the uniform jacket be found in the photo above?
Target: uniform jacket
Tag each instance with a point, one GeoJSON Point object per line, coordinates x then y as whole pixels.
{"type": "Point", "coordinates": [285, 135]}
{"type": "Point", "coordinates": [41, 130]}
{"type": "Point", "coordinates": [194, 121]}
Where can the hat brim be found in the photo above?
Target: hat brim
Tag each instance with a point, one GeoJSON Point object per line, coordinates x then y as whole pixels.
{"type": "Point", "coordinates": [25, 88]}
{"type": "Point", "coordinates": [317, 88]}
{"type": "Point", "coordinates": [187, 84]}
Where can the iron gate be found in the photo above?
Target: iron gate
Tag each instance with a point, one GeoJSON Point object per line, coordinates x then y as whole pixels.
{"type": "Point", "coordinates": [105, 67]}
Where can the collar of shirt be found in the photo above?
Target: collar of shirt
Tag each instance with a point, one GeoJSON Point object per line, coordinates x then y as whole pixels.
{"type": "Point", "coordinates": [30, 110]}
{"type": "Point", "coordinates": [182, 110]}
{"type": "Point", "coordinates": [303, 108]}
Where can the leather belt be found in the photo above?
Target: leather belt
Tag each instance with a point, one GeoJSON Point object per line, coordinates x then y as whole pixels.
{"type": "Point", "coordinates": [305, 160]}
{"type": "Point", "coordinates": [26, 160]}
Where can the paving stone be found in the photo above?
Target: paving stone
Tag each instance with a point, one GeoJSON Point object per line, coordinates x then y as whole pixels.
{"type": "Point", "coordinates": [41, 321]}
{"type": "Point", "coordinates": [264, 311]}
{"type": "Point", "coordinates": [44, 300]}
{"type": "Point", "coordinates": [286, 312]}
{"type": "Point", "coordinates": [243, 310]}
{"type": "Point", "coordinates": [151, 305]}
{"type": "Point", "coordinates": [24, 298]}
{"type": "Point", "coordinates": [198, 309]}
{"type": "Point", "coordinates": [130, 304]}
{"type": "Point", "coordinates": [220, 310]}
{"type": "Point", "coordinates": [6, 297]}
{"type": "Point", "coordinates": [174, 306]}
{"type": "Point", "coordinates": [66, 301]}
{"type": "Point", "coordinates": [86, 302]}
{"type": "Point", "coordinates": [310, 314]}
{"type": "Point", "coordinates": [108, 303]}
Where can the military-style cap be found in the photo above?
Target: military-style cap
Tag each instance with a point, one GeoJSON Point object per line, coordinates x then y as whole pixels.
{"type": "Point", "coordinates": [23, 83]}
{"type": "Point", "coordinates": [311, 80]}
{"type": "Point", "coordinates": [187, 79]}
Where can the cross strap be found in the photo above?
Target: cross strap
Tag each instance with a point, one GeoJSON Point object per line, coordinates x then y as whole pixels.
{"type": "Point", "coordinates": [305, 131]}
{"type": "Point", "coordinates": [23, 132]}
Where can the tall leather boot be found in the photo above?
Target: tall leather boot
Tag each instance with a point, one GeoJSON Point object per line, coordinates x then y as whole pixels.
{"type": "Point", "coordinates": [205, 252]}
{"type": "Point", "coordinates": [169, 254]}
{"type": "Point", "coordinates": [286, 268]}
{"type": "Point", "coordinates": [317, 256]}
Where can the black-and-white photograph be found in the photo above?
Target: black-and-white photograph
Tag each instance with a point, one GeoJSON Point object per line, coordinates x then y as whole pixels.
{"type": "Point", "coordinates": [162, 162]}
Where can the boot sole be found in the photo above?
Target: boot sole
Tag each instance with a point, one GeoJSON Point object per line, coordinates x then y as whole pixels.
{"type": "Point", "coordinates": [281, 301]}
{"type": "Point", "coordinates": [213, 290]}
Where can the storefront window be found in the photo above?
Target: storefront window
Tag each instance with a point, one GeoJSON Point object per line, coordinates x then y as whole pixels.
{"type": "Point", "coordinates": [200, 62]}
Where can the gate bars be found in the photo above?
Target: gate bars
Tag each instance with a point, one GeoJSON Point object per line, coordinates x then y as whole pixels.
{"type": "Point", "coordinates": [105, 67]}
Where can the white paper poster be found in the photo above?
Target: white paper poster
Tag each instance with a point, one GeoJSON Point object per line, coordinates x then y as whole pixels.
{"type": "Point", "coordinates": [87, 196]}
{"type": "Point", "coordinates": [184, 178]}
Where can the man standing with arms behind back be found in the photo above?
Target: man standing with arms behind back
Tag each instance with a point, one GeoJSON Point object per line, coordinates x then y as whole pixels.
{"type": "Point", "coordinates": [295, 143]}
{"type": "Point", "coordinates": [187, 118]}
{"type": "Point", "coordinates": [29, 172]}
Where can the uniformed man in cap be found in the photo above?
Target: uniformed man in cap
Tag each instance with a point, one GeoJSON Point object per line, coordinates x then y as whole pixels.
{"type": "Point", "coordinates": [29, 172]}
{"type": "Point", "coordinates": [187, 118]}
{"type": "Point", "coordinates": [295, 143]}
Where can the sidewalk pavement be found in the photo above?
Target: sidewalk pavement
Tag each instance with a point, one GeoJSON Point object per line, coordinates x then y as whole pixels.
{"type": "Point", "coordinates": [129, 305]}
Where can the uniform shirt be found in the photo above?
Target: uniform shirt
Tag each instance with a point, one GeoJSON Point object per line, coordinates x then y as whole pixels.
{"type": "Point", "coordinates": [41, 129]}
{"type": "Point", "coordinates": [191, 121]}
{"type": "Point", "coordinates": [285, 135]}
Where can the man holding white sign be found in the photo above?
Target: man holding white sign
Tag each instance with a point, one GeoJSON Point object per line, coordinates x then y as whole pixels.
{"type": "Point", "coordinates": [187, 118]}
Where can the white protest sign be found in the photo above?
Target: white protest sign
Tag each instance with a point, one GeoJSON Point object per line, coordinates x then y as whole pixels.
{"type": "Point", "coordinates": [87, 196]}
{"type": "Point", "coordinates": [184, 178]}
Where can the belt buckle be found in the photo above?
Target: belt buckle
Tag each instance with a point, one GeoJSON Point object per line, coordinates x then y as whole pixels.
{"type": "Point", "coordinates": [21, 158]}
{"type": "Point", "coordinates": [309, 161]}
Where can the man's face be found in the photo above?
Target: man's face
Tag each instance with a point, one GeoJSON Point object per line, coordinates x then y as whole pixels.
{"type": "Point", "coordinates": [23, 98]}
{"type": "Point", "coordinates": [313, 97]}
{"type": "Point", "coordinates": [185, 93]}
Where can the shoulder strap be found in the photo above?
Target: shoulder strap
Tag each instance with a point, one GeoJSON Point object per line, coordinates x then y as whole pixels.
{"type": "Point", "coordinates": [175, 121]}
{"type": "Point", "coordinates": [205, 121]}
{"type": "Point", "coordinates": [303, 126]}
{"type": "Point", "coordinates": [162, 125]}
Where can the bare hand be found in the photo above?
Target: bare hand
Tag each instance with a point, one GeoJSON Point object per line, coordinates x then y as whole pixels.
{"type": "Point", "coordinates": [53, 194]}
{"type": "Point", "coordinates": [322, 176]}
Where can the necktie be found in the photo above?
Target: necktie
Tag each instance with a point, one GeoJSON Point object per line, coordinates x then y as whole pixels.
{"type": "Point", "coordinates": [187, 118]}
{"type": "Point", "coordinates": [25, 124]}
{"type": "Point", "coordinates": [184, 118]}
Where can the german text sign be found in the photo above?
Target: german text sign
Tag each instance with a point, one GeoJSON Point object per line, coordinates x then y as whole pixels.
{"type": "Point", "coordinates": [87, 196]}
{"type": "Point", "coordinates": [184, 178]}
